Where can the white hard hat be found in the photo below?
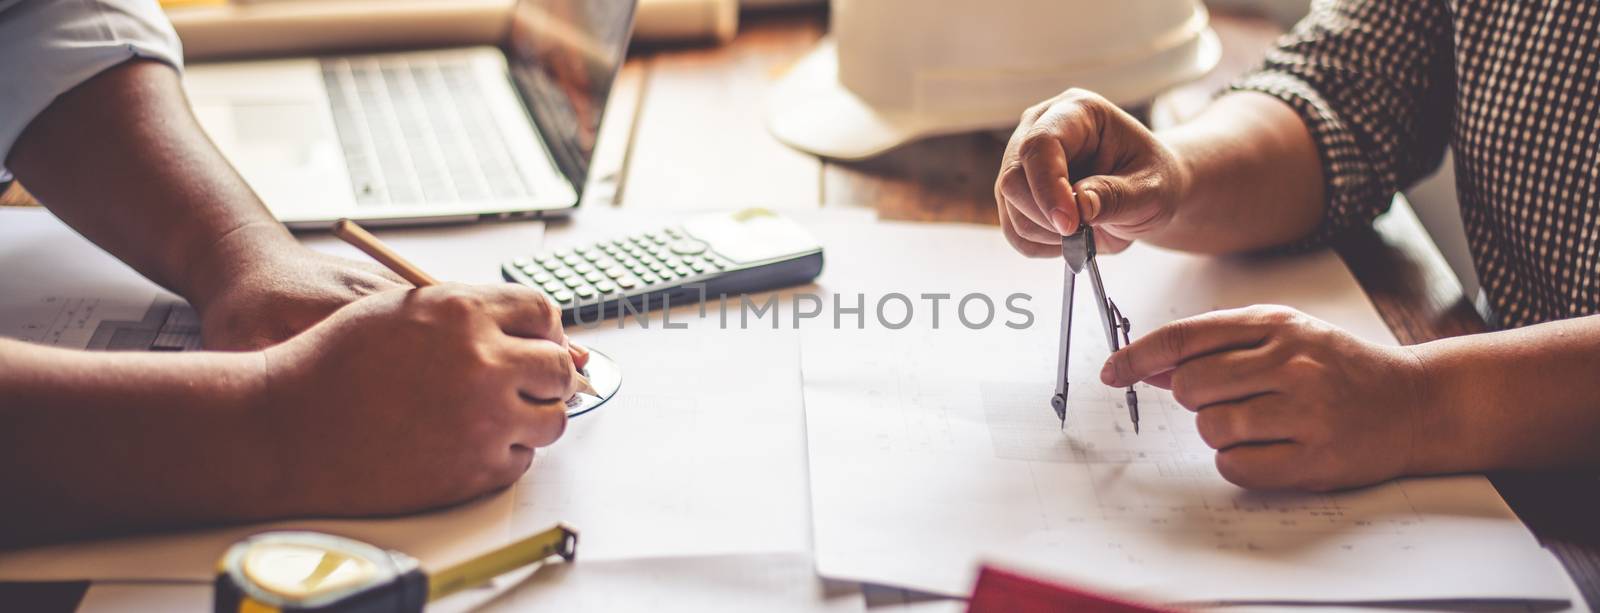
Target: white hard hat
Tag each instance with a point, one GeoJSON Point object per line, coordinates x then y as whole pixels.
{"type": "Point", "coordinates": [893, 71]}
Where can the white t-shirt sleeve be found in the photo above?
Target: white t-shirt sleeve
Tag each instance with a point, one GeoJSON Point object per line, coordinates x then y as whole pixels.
{"type": "Point", "coordinates": [48, 47]}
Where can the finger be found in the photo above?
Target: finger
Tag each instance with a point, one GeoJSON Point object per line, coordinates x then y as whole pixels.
{"type": "Point", "coordinates": [1226, 376]}
{"type": "Point", "coordinates": [1164, 348]}
{"type": "Point", "coordinates": [523, 312]}
{"type": "Point", "coordinates": [1273, 466]}
{"type": "Point", "coordinates": [1030, 231]}
{"type": "Point", "coordinates": [1068, 132]}
{"type": "Point", "coordinates": [580, 354]}
{"type": "Point", "coordinates": [1258, 420]}
{"type": "Point", "coordinates": [545, 370]}
{"type": "Point", "coordinates": [1025, 246]}
{"type": "Point", "coordinates": [1011, 185]}
{"type": "Point", "coordinates": [1018, 197]}
{"type": "Point", "coordinates": [1044, 162]}
{"type": "Point", "coordinates": [543, 422]}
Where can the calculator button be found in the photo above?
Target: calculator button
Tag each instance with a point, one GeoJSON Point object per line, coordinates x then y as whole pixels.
{"type": "Point", "coordinates": [543, 277]}
{"type": "Point", "coordinates": [627, 283]}
{"type": "Point", "coordinates": [699, 266]}
{"type": "Point", "coordinates": [616, 271]}
{"type": "Point", "coordinates": [604, 263]}
{"type": "Point", "coordinates": [649, 279]}
{"type": "Point", "coordinates": [531, 270]}
{"type": "Point", "coordinates": [521, 262]}
{"type": "Point", "coordinates": [591, 254]}
{"type": "Point", "coordinates": [657, 266]}
{"type": "Point", "coordinates": [672, 260]}
{"type": "Point", "coordinates": [562, 295]}
{"type": "Point", "coordinates": [550, 263]}
{"type": "Point", "coordinates": [585, 292]}
{"type": "Point", "coordinates": [683, 271]}
{"type": "Point", "coordinates": [594, 277]}
{"type": "Point", "coordinates": [688, 246]}
{"type": "Point", "coordinates": [554, 286]}
{"type": "Point", "coordinates": [606, 287]}
{"type": "Point", "coordinates": [628, 261]}
{"type": "Point", "coordinates": [667, 275]}
{"type": "Point", "coordinates": [674, 233]}
{"type": "Point", "coordinates": [611, 250]}
{"type": "Point", "coordinates": [572, 259]}
{"type": "Point", "coordinates": [638, 269]}
{"type": "Point", "coordinates": [562, 273]}
{"type": "Point", "coordinates": [584, 268]}
{"type": "Point", "coordinates": [561, 253]}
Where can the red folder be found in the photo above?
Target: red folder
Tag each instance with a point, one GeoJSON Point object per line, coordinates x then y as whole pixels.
{"type": "Point", "coordinates": [1002, 591]}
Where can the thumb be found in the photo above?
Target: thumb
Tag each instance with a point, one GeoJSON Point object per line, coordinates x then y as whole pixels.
{"type": "Point", "coordinates": [1107, 199]}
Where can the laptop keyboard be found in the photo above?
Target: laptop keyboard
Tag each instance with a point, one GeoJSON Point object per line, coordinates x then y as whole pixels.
{"type": "Point", "coordinates": [418, 131]}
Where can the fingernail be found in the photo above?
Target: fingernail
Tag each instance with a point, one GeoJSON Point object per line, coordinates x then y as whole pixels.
{"type": "Point", "coordinates": [579, 349]}
{"type": "Point", "coordinates": [1063, 224]}
{"type": "Point", "coordinates": [1108, 375]}
{"type": "Point", "coordinates": [1092, 210]}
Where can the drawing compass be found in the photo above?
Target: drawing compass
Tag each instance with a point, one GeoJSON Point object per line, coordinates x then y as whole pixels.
{"type": "Point", "coordinates": [1078, 251]}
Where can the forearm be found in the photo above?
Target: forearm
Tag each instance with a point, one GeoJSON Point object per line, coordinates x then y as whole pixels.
{"type": "Point", "coordinates": [1253, 177]}
{"type": "Point", "coordinates": [1518, 399]}
{"type": "Point", "coordinates": [100, 442]}
{"type": "Point", "coordinates": [121, 159]}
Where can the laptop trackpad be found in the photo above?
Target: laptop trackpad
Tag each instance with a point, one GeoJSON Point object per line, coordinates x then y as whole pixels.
{"type": "Point", "coordinates": [279, 133]}
{"type": "Point", "coordinates": [285, 148]}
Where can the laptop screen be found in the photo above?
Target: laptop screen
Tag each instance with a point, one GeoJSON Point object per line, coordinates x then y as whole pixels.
{"type": "Point", "coordinates": [564, 56]}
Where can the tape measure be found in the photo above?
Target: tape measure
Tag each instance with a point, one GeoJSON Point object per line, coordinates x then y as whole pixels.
{"type": "Point", "coordinates": [288, 572]}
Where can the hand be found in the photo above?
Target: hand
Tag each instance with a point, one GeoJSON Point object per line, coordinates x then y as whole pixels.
{"type": "Point", "coordinates": [410, 400]}
{"type": "Point", "coordinates": [1288, 401]}
{"type": "Point", "coordinates": [1127, 181]}
{"type": "Point", "coordinates": [279, 296]}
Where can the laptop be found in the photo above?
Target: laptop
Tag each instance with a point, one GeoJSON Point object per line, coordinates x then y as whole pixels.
{"type": "Point", "coordinates": [427, 136]}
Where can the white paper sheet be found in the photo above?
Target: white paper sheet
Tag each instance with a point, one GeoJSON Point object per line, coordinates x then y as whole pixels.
{"type": "Point", "coordinates": [780, 583]}
{"type": "Point", "coordinates": [931, 450]}
{"type": "Point", "coordinates": [60, 289]}
{"type": "Point", "coordinates": [701, 452]}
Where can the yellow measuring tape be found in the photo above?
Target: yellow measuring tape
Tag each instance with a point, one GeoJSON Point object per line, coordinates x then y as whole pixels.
{"type": "Point", "coordinates": [285, 572]}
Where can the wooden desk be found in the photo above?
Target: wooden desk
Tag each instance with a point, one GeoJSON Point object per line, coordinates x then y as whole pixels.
{"type": "Point", "coordinates": [685, 131]}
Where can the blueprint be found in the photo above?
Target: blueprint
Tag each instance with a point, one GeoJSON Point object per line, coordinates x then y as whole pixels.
{"type": "Point", "coordinates": [931, 451]}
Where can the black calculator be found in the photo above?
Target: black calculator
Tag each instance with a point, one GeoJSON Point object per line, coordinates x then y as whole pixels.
{"type": "Point", "coordinates": [748, 251]}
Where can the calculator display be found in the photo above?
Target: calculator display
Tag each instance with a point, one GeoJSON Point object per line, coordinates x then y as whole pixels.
{"type": "Point", "coordinates": [751, 236]}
